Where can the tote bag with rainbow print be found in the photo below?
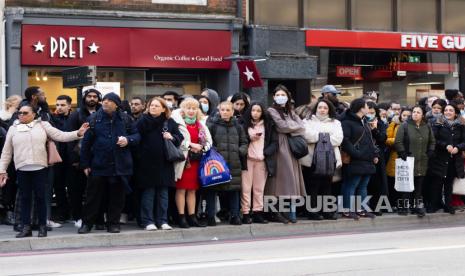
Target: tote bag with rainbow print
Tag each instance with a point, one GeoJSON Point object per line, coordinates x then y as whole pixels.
{"type": "Point", "coordinates": [213, 169]}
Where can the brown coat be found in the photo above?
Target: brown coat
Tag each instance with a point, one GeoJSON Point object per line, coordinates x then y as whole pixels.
{"type": "Point", "coordinates": [288, 180]}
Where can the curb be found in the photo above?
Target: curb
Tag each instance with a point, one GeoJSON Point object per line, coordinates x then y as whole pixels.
{"type": "Point", "coordinates": [227, 232]}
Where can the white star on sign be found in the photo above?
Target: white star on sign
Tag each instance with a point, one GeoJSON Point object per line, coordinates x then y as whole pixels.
{"type": "Point", "coordinates": [93, 48]}
{"type": "Point", "coordinates": [249, 74]}
{"type": "Point", "coordinates": [39, 46]}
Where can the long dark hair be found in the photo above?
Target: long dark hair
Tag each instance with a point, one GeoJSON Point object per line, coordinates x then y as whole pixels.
{"type": "Point", "coordinates": [331, 108]}
{"type": "Point", "coordinates": [240, 96]}
{"type": "Point", "coordinates": [247, 117]}
{"type": "Point", "coordinates": [287, 109]}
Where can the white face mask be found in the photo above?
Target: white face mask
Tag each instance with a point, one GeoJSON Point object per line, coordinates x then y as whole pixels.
{"type": "Point", "coordinates": [169, 104]}
{"type": "Point", "coordinates": [281, 100]}
{"type": "Point", "coordinates": [205, 107]}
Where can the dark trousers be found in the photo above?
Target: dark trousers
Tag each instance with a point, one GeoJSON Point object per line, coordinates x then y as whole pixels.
{"type": "Point", "coordinates": [233, 197]}
{"type": "Point", "coordinates": [60, 184]}
{"type": "Point", "coordinates": [316, 186]}
{"type": "Point", "coordinates": [443, 186]}
{"type": "Point", "coordinates": [393, 194]}
{"type": "Point", "coordinates": [30, 183]}
{"type": "Point", "coordinates": [415, 198]}
{"type": "Point", "coordinates": [97, 188]}
{"type": "Point", "coordinates": [77, 186]}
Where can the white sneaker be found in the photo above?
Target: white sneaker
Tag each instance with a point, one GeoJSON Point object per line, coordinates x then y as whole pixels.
{"type": "Point", "coordinates": [123, 219]}
{"type": "Point", "coordinates": [151, 227]}
{"type": "Point", "coordinates": [52, 224]}
{"type": "Point", "coordinates": [165, 226]}
{"type": "Point", "coordinates": [78, 223]}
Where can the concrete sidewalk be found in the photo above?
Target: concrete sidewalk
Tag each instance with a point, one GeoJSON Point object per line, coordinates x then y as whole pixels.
{"type": "Point", "coordinates": [67, 237]}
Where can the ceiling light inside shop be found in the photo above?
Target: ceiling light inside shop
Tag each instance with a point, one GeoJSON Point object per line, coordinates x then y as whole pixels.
{"type": "Point", "coordinates": [424, 83]}
{"type": "Point", "coordinates": [363, 65]}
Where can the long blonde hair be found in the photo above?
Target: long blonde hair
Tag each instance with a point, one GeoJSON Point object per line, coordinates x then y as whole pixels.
{"type": "Point", "coordinates": [12, 101]}
{"type": "Point", "coordinates": [191, 102]}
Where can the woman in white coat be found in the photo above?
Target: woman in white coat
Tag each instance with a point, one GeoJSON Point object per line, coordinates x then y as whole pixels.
{"type": "Point", "coordinates": [318, 185]}
{"type": "Point", "coordinates": [197, 140]}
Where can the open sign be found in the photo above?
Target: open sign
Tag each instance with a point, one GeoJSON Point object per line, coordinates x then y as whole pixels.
{"type": "Point", "coordinates": [348, 71]}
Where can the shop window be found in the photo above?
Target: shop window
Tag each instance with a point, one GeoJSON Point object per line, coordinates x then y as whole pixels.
{"type": "Point", "coordinates": [276, 12]}
{"type": "Point", "coordinates": [453, 20]}
{"type": "Point", "coordinates": [418, 16]}
{"type": "Point", "coordinates": [325, 14]}
{"type": "Point", "coordinates": [51, 82]}
{"type": "Point", "coordinates": [372, 15]}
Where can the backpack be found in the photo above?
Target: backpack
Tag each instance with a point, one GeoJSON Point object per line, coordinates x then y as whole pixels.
{"type": "Point", "coordinates": [324, 160]}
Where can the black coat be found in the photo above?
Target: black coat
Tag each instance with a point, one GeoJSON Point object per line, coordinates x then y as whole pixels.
{"type": "Point", "coordinates": [232, 145]}
{"type": "Point", "coordinates": [99, 150]}
{"type": "Point", "coordinates": [152, 168]}
{"type": "Point", "coordinates": [60, 123]}
{"type": "Point", "coordinates": [362, 153]}
{"type": "Point", "coordinates": [447, 135]}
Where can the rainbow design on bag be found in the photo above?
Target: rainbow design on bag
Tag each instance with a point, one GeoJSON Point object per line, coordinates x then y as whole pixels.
{"type": "Point", "coordinates": [213, 167]}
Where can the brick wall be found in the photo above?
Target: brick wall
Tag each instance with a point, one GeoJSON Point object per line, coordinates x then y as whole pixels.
{"type": "Point", "coordinates": [227, 7]}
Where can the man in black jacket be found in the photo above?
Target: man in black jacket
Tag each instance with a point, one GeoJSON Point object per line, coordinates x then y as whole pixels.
{"type": "Point", "coordinates": [61, 116]}
{"type": "Point", "coordinates": [91, 100]}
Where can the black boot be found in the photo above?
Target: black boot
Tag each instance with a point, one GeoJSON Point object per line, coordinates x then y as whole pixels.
{"type": "Point", "coordinates": [42, 231]}
{"type": "Point", "coordinates": [85, 229]}
{"type": "Point", "coordinates": [114, 228]}
{"type": "Point", "coordinates": [246, 219]}
{"type": "Point", "coordinates": [25, 232]}
{"type": "Point", "coordinates": [235, 220]}
{"type": "Point", "coordinates": [315, 216]}
{"type": "Point", "coordinates": [183, 222]}
{"type": "Point", "coordinates": [211, 221]}
{"type": "Point", "coordinates": [193, 222]}
{"type": "Point", "coordinates": [18, 227]}
{"type": "Point", "coordinates": [277, 217]}
{"type": "Point", "coordinates": [258, 218]}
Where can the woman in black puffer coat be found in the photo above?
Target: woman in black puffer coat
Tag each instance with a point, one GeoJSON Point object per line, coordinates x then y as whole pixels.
{"type": "Point", "coordinates": [230, 140]}
{"type": "Point", "coordinates": [447, 163]}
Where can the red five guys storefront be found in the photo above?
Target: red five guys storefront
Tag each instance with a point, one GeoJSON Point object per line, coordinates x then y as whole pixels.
{"type": "Point", "coordinates": [133, 58]}
{"type": "Point", "coordinates": [401, 66]}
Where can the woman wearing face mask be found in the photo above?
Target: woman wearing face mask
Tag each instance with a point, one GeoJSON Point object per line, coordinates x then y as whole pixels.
{"type": "Point", "coordinates": [377, 186]}
{"type": "Point", "coordinates": [288, 181]}
{"type": "Point", "coordinates": [415, 138]}
{"type": "Point", "coordinates": [391, 164]}
{"type": "Point", "coordinates": [205, 106]}
{"type": "Point", "coordinates": [358, 143]}
{"type": "Point", "coordinates": [447, 163]}
{"type": "Point", "coordinates": [197, 140]}
{"type": "Point", "coordinates": [437, 109]}
{"type": "Point", "coordinates": [323, 120]}
{"type": "Point", "coordinates": [26, 144]}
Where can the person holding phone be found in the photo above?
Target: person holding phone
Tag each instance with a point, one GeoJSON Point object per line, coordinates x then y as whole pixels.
{"type": "Point", "coordinates": [262, 145]}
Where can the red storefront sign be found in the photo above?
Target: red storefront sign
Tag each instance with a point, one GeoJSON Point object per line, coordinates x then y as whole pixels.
{"type": "Point", "coordinates": [348, 71]}
{"type": "Point", "coordinates": [384, 40]}
{"type": "Point", "coordinates": [124, 47]}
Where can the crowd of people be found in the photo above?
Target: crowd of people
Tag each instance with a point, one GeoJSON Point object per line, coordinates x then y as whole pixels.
{"type": "Point", "coordinates": [106, 162]}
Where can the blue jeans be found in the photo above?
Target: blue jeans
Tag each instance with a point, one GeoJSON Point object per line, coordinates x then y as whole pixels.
{"type": "Point", "coordinates": [30, 182]}
{"type": "Point", "coordinates": [234, 203]}
{"type": "Point", "coordinates": [351, 184]}
{"type": "Point", "coordinates": [160, 194]}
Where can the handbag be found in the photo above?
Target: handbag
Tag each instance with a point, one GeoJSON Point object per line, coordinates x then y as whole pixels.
{"type": "Point", "coordinates": [458, 187]}
{"type": "Point", "coordinates": [172, 153]}
{"type": "Point", "coordinates": [298, 145]}
{"type": "Point", "coordinates": [404, 179]}
{"type": "Point", "coordinates": [53, 156]}
{"type": "Point", "coordinates": [213, 169]}
{"type": "Point", "coordinates": [345, 157]}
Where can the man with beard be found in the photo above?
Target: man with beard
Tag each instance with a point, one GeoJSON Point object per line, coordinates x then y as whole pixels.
{"type": "Point", "coordinates": [329, 92]}
{"type": "Point", "coordinates": [61, 116]}
{"type": "Point", "coordinates": [91, 100]}
{"type": "Point", "coordinates": [137, 107]}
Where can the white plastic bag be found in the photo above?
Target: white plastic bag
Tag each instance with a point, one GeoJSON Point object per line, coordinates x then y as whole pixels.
{"type": "Point", "coordinates": [459, 186]}
{"type": "Point", "coordinates": [404, 175]}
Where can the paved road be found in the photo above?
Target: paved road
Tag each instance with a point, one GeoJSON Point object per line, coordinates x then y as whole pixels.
{"type": "Point", "coordinates": [439, 251]}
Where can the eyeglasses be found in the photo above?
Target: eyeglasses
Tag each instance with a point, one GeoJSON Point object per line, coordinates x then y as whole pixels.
{"type": "Point", "coordinates": [24, 113]}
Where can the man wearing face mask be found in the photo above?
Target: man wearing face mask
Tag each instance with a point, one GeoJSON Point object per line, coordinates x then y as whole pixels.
{"type": "Point", "coordinates": [172, 99]}
{"type": "Point", "coordinates": [90, 104]}
{"type": "Point", "coordinates": [329, 92]}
